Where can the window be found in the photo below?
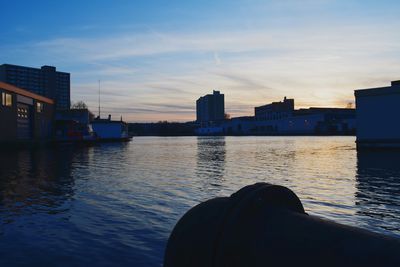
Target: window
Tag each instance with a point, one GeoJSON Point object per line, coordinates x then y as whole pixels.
{"type": "Point", "coordinates": [39, 107]}
{"type": "Point", "coordinates": [22, 113]}
{"type": "Point", "coordinates": [6, 99]}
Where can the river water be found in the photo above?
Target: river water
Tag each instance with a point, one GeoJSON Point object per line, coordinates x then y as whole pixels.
{"type": "Point", "coordinates": [116, 204]}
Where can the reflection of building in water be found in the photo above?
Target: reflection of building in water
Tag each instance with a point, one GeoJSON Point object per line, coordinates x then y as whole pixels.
{"type": "Point", "coordinates": [378, 187]}
{"type": "Point", "coordinates": [35, 179]}
{"type": "Point", "coordinates": [211, 156]}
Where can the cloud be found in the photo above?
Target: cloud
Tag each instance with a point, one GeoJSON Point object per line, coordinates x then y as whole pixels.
{"type": "Point", "coordinates": [217, 59]}
{"type": "Point", "coordinates": [165, 72]}
{"type": "Point", "coordinates": [173, 107]}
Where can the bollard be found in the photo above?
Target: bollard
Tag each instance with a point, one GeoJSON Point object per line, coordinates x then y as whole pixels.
{"type": "Point", "coordinates": [266, 225]}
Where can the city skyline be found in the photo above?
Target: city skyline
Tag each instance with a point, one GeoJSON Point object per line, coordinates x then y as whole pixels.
{"type": "Point", "coordinates": [155, 59]}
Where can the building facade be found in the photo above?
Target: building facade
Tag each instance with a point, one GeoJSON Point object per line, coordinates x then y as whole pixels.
{"type": "Point", "coordinates": [210, 108]}
{"type": "Point", "coordinates": [45, 81]}
{"type": "Point", "coordinates": [378, 111]}
{"type": "Point", "coordinates": [280, 118]}
{"type": "Point", "coordinates": [275, 110]}
{"type": "Point", "coordinates": [24, 116]}
{"type": "Point", "coordinates": [107, 129]}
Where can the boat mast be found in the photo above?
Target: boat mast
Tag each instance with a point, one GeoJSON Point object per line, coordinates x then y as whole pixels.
{"type": "Point", "coordinates": [99, 99]}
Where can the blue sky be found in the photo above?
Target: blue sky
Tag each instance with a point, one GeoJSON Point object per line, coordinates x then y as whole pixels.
{"type": "Point", "coordinates": [155, 58]}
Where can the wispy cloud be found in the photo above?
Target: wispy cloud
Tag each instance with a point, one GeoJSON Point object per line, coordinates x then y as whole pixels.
{"type": "Point", "coordinates": [163, 72]}
{"type": "Point", "coordinates": [217, 59]}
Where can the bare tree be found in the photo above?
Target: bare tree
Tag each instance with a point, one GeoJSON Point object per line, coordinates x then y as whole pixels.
{"type": "Point", "coordinates": [82, 105]}
{"type": "Point", "coordinates": [79, 105]}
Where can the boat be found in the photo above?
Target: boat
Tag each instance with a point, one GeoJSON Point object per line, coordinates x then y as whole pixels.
{"type": "Point", "coordinates": [108, 130]}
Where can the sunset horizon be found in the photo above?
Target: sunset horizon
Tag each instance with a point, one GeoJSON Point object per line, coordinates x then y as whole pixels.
{"type": "Point", "coordinates": [156, 59]}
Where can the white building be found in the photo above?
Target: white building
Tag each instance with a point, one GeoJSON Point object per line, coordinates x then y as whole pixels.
{"type": "Point", "coordinates": [109, 130]}
{"type": "Point", "coordinates": [378, 116]}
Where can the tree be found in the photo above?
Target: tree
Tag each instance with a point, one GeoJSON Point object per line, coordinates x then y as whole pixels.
{"type": "Point", "coordinates": [79, 105]}
{"type": "Point", "coordinates": [82, 105]}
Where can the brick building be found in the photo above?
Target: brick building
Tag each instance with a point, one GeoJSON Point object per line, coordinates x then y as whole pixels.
{"type": "Point", "coordinates": [24, 115]}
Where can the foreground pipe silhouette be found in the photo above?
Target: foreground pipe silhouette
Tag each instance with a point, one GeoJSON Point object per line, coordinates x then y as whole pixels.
{"type": "Point", "coordinates": [265, 225]}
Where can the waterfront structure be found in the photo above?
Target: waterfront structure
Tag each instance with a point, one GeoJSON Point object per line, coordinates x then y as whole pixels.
{"type": "Point", "coordinates": [210, 108]}
{"type": "Point", "coordinates": [275, 110]}
{"type": "Point", "coordinates": [378, 112]}
{"type": "Point", "coordinates": [109, 130]}
{"type": "Point", "coordinates": [45, 81]}
{"type": "Point", "coordinates": [78, 115]}
{"type": "Point", "coordinates": [24, 116]}
{"type": "Point", "coordinates": [74, 125]}
{"type": "Point", "coordinates": [332, 120]}
{"type": "Point", "coordinates": [280, 118]}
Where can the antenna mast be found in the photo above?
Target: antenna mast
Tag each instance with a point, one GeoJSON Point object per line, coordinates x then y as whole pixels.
{"type": "Point", "coordinates": [99, 99]}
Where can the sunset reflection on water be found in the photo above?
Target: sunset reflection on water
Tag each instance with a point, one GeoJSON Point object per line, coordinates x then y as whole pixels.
{"type": "Point", "coordinates": [75, 204]}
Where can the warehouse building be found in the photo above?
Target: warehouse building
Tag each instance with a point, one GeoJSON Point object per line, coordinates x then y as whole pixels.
{"type": "Point", "coordinates": [24, 116]}
{"type": "Point", "coordinates": [378, 112]}
{"type": "Point", "coordinates": [275, 110]}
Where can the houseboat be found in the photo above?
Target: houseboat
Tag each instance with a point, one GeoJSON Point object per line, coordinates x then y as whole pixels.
{"type": "Point", "coordinates": [110, 130]}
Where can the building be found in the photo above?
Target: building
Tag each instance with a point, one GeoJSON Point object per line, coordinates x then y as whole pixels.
{"type": "Point", "coordinates": [107, 129]}
{"type": "Point", "coordinates": [210, 108]}
{"type": "Point", "coordinates": [275, 110]}
{"type": "Point", "coordinates": [280, 118]}
{"type": "Point", "coordinates": [378, 111]}
{"type": "Point", "coordinates": [45, 81]}
{"type": "Point", "coordinates": [78, 115]}
{"type": "Point", "coordinates": [333, 120]}
{"type": "Point", "coordinates": [24, 116]}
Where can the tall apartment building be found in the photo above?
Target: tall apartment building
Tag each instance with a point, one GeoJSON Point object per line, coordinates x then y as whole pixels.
{"type": "Point", "coordinates": [210, 107]}
{"type": "Point", "coordinates": [45, 81]}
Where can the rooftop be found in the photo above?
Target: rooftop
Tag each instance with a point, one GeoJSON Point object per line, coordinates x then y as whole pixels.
{"type": "Point", "coordinates": [20, 91]}
{"type": "Point", "coordinates": [387, 90]}
{"type": "Point", "coordinates": [32, 68]}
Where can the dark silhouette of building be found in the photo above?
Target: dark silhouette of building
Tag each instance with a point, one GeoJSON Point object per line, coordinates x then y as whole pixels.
{"type": "Point", "coordinates": [275, 110]}
{"type": "Point", "coordinates": [24, 115]}
{"type": "Point", "coordinates": [280, 118]}
{"type": "Point", "coordinates": [210, 108]}
{"type": "Point", "coordinates": [45, 81]}
{"type": "Point", "coordinates": [378, 112]}
{"type": "Point", "coordinates": [333, 120]}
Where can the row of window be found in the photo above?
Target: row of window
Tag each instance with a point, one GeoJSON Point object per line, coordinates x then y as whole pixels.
{"type": "Point", "coordinates": [7, 101]}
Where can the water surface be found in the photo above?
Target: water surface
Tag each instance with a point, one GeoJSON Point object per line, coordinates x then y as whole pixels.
{"type": "Point", "coordinates": [115, 204]}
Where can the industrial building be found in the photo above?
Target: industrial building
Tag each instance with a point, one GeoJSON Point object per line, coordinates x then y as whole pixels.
{"type": "Point", "coordinates": [24, 116]}
{"type": "Point", "coordinates": [378, 112]}
{"type": "Point", "coordinates": [210, 108]}
{"type": "Point", "coordinates": [45, 81]}
{"type": "Point", "coordinates": [275, 110]}
{"type": "Point", "coordinates": [280, 118]}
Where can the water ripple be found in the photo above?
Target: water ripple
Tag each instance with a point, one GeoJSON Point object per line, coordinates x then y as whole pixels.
{"type": "Point", "coordinates": [117, 203]}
